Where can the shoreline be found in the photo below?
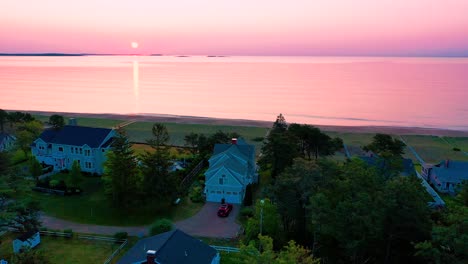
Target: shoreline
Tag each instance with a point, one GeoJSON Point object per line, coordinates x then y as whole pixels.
{"type": "Point", "coordinates": [167, 118]}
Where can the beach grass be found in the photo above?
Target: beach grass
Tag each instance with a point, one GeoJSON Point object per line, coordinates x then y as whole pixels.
{"type": "Point", "coordinates": [141, 131]}
{"type": "Point", "coordinates": [433, 149]}
{"type": "Point", "coordinates": [86, 121]}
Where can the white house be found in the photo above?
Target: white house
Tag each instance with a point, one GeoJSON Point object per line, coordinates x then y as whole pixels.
{"type": "Point", "coordinates": [26, 240]}
{"type": "Point", "coordinates": [232, 168]}
{"type": "Point", "coordinates": [7, 141]}
{"type": "Point", "coordinates": [87, 145]}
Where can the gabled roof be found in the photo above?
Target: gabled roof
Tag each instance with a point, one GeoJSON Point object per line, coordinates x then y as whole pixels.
{"type": "Point", "coordinates": [5, 136]}
{"type": "Point", "coordinates": [242, 146]}
{"type": "Point", "coordinates": [76, 136]}
{"type": "Point", "coordinates": [173, 247]}
{"type": "Point", "coordinates": [456, 171]}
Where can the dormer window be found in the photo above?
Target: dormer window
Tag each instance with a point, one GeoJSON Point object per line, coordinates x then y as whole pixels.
{"type": "Point", "coordinates": [60, 149]}
{"type": "Point", "coordinates": [221, 180]}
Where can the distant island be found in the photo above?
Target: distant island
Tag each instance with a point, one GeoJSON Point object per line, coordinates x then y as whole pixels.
{"type": "Point", "coordinates": [44, 54]}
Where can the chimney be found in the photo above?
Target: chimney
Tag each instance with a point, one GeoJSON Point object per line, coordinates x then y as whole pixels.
{"type": "Point", "coordinates": [151, 256]}
{"type": "Point", "coordinates": [72, 122]}
{"type": "Point", "coordinates": [234, 141]}
{"type": "Point", "coordinates": [447, 163]}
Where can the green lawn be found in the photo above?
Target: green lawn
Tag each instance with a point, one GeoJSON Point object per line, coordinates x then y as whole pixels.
{"type": "Point", "coordinates": [176, 152]}
{"type": "Point", "coordinates": [93, 207]}
{"type": "Point", "coordinates": [433, 149]}
{"type": "Point", "coordinates": [459, 142]}
{"type": "Point", "coordinates": [65, 250]}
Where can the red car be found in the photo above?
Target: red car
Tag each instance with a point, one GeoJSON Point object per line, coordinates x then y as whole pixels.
{"type": "Point", "coordinates": [224, 210]}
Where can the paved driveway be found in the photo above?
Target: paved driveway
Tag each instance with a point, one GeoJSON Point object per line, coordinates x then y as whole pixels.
{"type": "Point", "coordinates": [206, 223]}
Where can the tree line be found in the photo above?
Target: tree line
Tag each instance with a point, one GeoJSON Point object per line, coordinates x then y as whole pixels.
{"type": "Point", "coordinates": [351, 212]}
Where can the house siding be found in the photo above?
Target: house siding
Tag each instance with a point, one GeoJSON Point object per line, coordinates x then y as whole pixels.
{"type": "Point", "coordinates": [62, 156]}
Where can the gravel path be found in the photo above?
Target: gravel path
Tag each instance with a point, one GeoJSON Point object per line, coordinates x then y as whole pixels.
{"type": "Point", "coordinates": [205, 224]}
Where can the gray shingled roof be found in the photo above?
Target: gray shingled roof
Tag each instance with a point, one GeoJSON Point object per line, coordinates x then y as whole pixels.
{"type": "Point", "coordinates": [173, 247]}
{"type": "Point", "coordinates": [456, 172]}
{"type": "Point", "coordinates": [76, 136]}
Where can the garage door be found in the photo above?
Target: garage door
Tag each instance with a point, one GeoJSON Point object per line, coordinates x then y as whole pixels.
{"type": "Point", "coordinates": [229, 197]}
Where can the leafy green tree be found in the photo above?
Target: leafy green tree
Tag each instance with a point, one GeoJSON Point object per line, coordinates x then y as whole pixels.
{"type": "Point", "coordinates": [463, 194]}
{"type": "Point", "coordinates": [30, 256]}
{"type": "Point", "coordinates": [157, 183]}
{"type": "Point", "coordinates": [22, 216]}
{"type": "Point", "coordinates": [56, 121]}
{"type": "Point", "coordinates": [121, 174]}
{"type": "Point", "coordinates": [267, 217]}
{"type": "Point", "coordinates": [390, 153]}
{"type": "Point", "coordinates": [191, 141]}
{"type": "Point", "coordinates": [264, 253]}
{"type": "Point", "coordinates": [35, 168]}
{"type": "Point", "coordinates": [5, 163]}
{"type": "Point", "coordinates": [278, 152]}
{"type": "Point", "coordinates": [75, 174]}
{"type": "Point", "coordinates": [313, 142]}
{"type": "Point", "coordinates": [26, 134]}
{"type": "Point", "coordinates": [161, 226]}
{"type": "Point", "coordinates": [449, 237]}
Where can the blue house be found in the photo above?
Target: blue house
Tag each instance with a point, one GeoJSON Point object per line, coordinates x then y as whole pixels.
{"type": "Point", "coordinates": [7, 141]}
{"type": "Point", "coordinates": [173, 247]}
{"type": "Point", "coordinates": [27, 240]}
{"type": "Point", "coordinates": [447, 176]}
{"type": "Point", "coordinates": [232, 168]}
{"type": "Point", "coordinates": [87, 145]}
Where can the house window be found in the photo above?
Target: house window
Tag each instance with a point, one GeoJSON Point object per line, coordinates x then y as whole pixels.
{"type": "Point", "coordinates": [87, 152]}
{"type": "Point", "coordinates": [60, 149]}
{"type": "Point", "coordinates": [79, 162]}
{"type": "Point", "coordinates": [219, 192]}
{"type": "Point", "coordinates": [221, 181]}
{"type": "Point", "coordinates": [235, 193]}
{"type": "Point", "coordinates": [81, 151]}
{"type": "Point", "coordinates": [72, 150]}
{"type": "Point", "coordinates": [212, 191]}
{"type": "Point", "coordinates": [228, 192]}
{"type": "Point", "coordinates": [103, 150]}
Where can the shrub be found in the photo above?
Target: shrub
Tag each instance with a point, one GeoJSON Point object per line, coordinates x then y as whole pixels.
{"type": "Point", "coordinates": [247, 212]}
{"type": "Point", "coordinates": [248, 195]}
{"type": "Point", "coordinates": [121, 235]}
{"type": "Point", "coordinates": [160, 226]}
{"type": "Point", "coordinates": [54, 183]}
{"type": "Point", "coordinates": [196, 194]}
{"type": "Point", "coordinates": [456, 149]}
{"type": "Point", "coordinates": [68, 231]}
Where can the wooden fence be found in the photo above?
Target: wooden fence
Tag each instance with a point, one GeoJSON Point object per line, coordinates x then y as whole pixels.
{"type": "Point", "coordinates": [226, 249]}
{"type": "Point", "coordinates": [45, 190]}
{"type": "Point", "coordinates": [97, 238]}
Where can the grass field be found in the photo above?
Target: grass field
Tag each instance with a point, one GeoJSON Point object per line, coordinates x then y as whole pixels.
{"type": "Point", "coordinates": [93, 207]}
{"type": "Point", "coordinates": [141, 131]}
{"type": "Point", "coordinates": [175, 152]}
{"type": "Point", "coordinates": [87, 121]}
{"type": "Point", "coordinates": [433, 149]}
{"type": "Point", "coordinates": [64, 250]}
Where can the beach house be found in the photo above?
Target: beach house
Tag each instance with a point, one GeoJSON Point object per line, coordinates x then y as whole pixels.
{"type": "Point", "coordinates": [232, 167]}
{"type": "Point", "coordinates": [447, 176]}
{"type": "Point", "coordinates": [26, 240]}
{"type": "Point", "coordinates": [61, 147]}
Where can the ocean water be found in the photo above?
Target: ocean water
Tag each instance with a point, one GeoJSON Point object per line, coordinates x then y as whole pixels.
{"type": "Point", "coordinates": [387, 91]}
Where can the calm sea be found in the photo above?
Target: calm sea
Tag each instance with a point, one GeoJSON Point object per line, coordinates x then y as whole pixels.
{"type": "Point", "coordinates": [425, 92]}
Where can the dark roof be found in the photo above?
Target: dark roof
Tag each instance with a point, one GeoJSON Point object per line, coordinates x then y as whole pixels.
{"type": "Point", "coordinates": [76, 136]}
{"type": "Point", "coordinates": [242, 146]}
{"type": "Point", "coordinates": [375, 161]}
{"type": "Point", "coordinates": [25, 236]}
{"type": "Point", "coordinates": [456, 172]}
{"type": "Point", "coordinates": [173, 247]}
{"type": "Point", "coordinates": [5, 135]}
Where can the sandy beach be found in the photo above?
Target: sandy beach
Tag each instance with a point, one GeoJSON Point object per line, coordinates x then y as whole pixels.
{"type": "Point", "coordinates": [261, 123]}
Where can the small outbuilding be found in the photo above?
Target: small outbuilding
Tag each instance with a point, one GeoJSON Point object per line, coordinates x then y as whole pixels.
{"type": "Point", "coordinates": [26, 240]}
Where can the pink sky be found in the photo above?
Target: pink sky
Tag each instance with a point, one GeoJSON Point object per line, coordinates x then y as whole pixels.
{"type": "Point", "coordinates": [243, 27]}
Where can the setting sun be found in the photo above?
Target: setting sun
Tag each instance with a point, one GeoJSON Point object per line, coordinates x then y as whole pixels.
{"type": "Point", "coordinates": [134, 45]}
